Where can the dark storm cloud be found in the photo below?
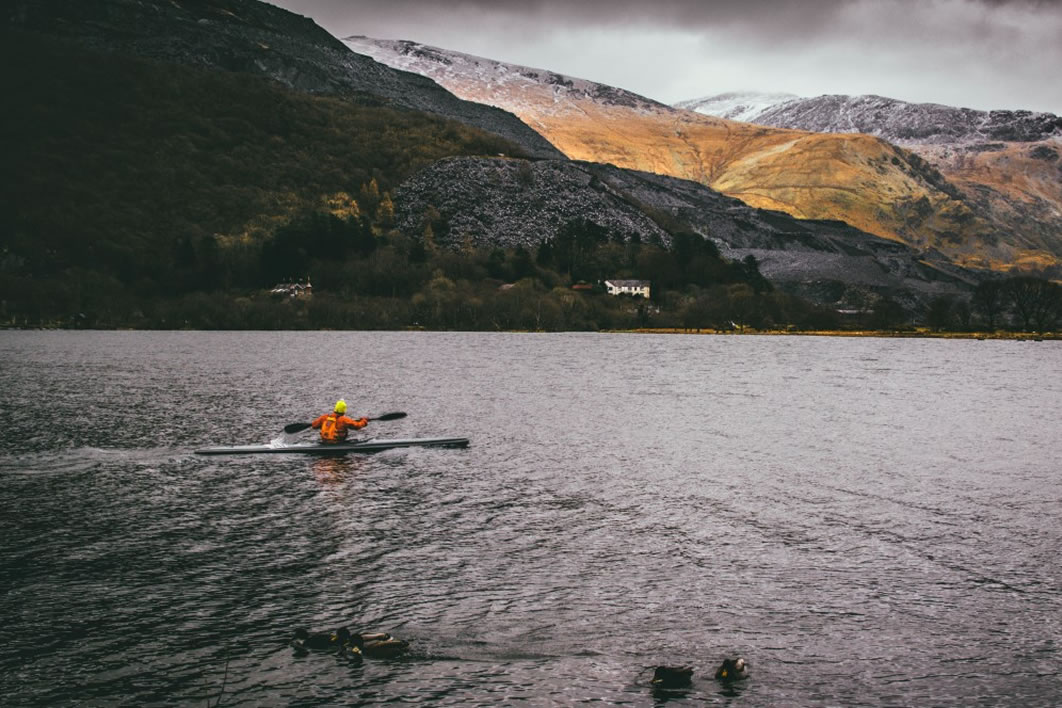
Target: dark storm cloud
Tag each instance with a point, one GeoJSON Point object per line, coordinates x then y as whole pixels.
{"type": "Point", "coordinates": [787, 15]}
{"type": "Point", "coordinates": [974, 53]}
{"type": "Point", "coordinates": [362, 16]}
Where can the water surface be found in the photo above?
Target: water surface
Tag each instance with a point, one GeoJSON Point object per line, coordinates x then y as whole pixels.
{"type": "Point", "coordinates": [866, 521]}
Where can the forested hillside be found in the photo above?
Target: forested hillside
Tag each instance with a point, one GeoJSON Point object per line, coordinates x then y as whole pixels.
{"type": "Point", "coordinates": [121, 169]}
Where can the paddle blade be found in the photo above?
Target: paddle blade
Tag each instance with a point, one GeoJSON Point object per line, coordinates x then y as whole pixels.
{"type": "Point", "coordinates": [296, 427]}
{"type": "Point", "coordinates": [389, 416]}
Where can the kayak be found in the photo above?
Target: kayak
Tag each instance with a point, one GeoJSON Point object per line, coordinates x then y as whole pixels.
{"type": "Point", "coordinates": [316, 448]}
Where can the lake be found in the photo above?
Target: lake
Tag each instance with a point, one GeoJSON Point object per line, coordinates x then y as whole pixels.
{"type": "Point", "coordinates": [866, 521]}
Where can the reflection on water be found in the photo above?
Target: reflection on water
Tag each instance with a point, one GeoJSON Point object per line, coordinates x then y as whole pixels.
{"type": "Point", "coordinates": [867, 522]}
{"type": "Point", "coordinates": [333, 471]}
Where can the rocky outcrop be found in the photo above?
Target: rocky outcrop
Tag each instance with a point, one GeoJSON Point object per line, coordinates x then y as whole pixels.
{"type": "Point", "coordinates": [257, 38]}
{"type": "Point", "coordinates": [512, 203]}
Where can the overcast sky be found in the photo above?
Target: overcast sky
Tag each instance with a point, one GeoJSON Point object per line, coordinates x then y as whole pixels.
{"type": "Point", "coordinates": [981, 54]}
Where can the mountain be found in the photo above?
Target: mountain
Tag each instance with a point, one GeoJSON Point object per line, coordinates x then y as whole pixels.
{"type": "Point", "coordinates": [740, 106]}
{"type": "Point", "coordinates": [251, 37]}
{"type": "Point", "coordinates": [126, 175]}
{"type": "Point", "coordinates": [147, 166]}
{"type": "Point", "coordinates": [1006, 163]}
{"type": "Point", "coordinates": [862, 180]}
{"type": "Point", "coordinates": [902, 123]}
{"type": "Point", "coordinates": [517, 203]}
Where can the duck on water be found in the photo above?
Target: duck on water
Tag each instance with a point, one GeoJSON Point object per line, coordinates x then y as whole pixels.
{"type": "Point", "coordinates": [673, 677]}
{"type": "Point", "coordinates": [352, 645]}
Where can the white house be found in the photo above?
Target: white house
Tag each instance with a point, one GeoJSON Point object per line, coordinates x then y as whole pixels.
{"type": "Point", "coordinates": [293, 289]}
{"type": "Point", "coordinates": [628, 287]}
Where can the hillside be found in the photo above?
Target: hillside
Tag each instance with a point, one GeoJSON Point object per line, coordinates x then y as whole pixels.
{"type": "Point", "coordinates": [862, 180]}
{"type": "Point", "coordinates": [254, 38]}
{"type": "Point", "coordinates": [115, 166]}
{"type": "Point", "coordinates": [1006, 164]}
{"type": "Point", "coordinates": [519, 204]}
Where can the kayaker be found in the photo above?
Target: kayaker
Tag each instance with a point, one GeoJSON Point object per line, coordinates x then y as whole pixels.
{"type": "Point", "coordinates": [334, 425]}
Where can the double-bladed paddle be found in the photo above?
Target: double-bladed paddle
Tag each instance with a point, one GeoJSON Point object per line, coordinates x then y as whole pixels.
{"type": "Point", "coordinates": [297, 427]}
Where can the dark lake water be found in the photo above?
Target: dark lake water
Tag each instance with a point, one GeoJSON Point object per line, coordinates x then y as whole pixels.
{"type": "Point", "coordinates": [866, 521]}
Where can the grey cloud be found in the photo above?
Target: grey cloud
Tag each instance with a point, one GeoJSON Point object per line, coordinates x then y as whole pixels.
{"type": "Point", "coordinates": [765, 23]}
{"type": "Point", "coordinates": [689, 14]}
{"type": "Point", "coordinates": [977, 53]}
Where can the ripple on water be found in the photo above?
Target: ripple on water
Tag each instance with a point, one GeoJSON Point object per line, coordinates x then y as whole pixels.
{"type": "Point", "coordinates": [881, 516]}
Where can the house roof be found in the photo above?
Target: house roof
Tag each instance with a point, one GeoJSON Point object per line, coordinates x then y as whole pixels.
{"type": "Point", "coordinates": [628, 283]}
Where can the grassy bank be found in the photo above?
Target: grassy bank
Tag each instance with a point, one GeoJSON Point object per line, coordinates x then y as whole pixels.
{"type": "Point", "coordinates": [913, 333]}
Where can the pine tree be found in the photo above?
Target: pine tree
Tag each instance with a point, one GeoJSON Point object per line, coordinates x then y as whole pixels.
{"type": "Point", "coordinates": [385, 213]}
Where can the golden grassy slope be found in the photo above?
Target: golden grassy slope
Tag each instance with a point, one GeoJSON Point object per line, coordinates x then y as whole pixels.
{"type": "Point", "coordinates": [859, 179]}
{"type": "Point", "coordinates": [1020, 191]}
{"type": "Point", "coordinates": [1012, 169]}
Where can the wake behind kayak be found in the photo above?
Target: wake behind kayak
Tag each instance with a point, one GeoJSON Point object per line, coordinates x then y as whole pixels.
{"type": "Point", "coordinates": [363, 446]}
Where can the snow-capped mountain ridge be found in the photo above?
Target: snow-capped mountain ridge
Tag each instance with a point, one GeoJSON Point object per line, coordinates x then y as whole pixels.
{"type": "Point", "coordinates": [488, 79]}
{"type": "Point", "coordinates": [894, 120]}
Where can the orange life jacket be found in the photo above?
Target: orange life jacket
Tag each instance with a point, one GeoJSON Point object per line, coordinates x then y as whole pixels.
{"type": "Point", "coordinates": [334, 426]}
{"type": "Point", "coordinates": [331, 430]}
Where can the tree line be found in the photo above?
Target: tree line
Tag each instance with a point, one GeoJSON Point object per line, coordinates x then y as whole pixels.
{"type": "Point", "coordinates": [1022, 303]}
{"type": "Point", "coordinates": [368, 276]}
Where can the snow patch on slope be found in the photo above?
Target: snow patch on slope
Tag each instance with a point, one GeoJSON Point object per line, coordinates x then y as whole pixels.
{"type": "Point", "coordinates": [739, 106]}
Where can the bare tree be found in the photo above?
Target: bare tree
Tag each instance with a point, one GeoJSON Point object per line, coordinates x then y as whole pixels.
{"type": "Point", "coordinates": [1036, 302]}
{"type": "Point", "coordinates": [989, 302]}
{"type": "Point", "coordinates": [941, 313]}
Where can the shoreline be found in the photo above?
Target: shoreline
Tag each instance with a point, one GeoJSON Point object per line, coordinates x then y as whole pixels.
{"type": "Point", "coordinates": [915, 334]}
{"type": "Point", "coordinates": [900, 334]}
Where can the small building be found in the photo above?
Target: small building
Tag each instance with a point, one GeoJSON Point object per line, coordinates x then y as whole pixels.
{"type": "Point", "coordinates": [293, 289]}
{"type": "Point", "coordinates": [637, 288]}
